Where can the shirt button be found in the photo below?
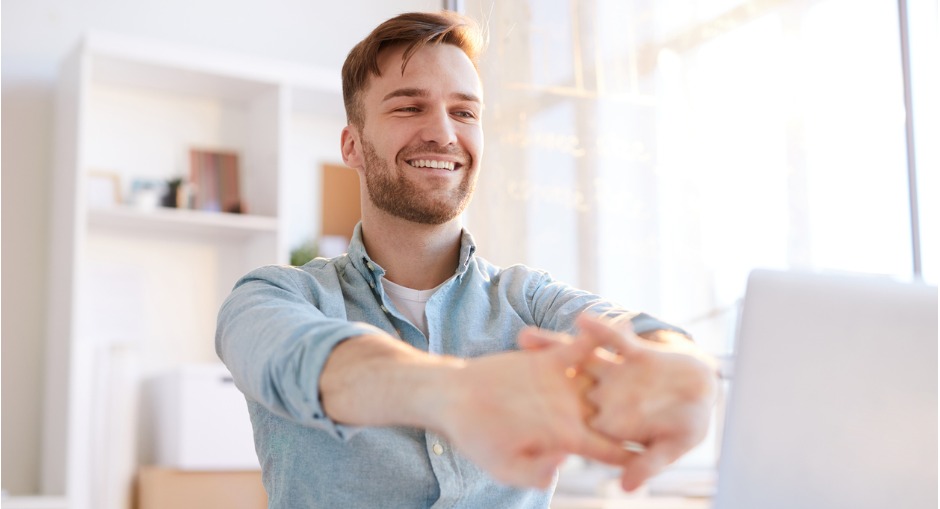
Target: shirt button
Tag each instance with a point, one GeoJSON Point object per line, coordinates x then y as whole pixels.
{"type": "Point", "coordinates": [371, 267]}
{"type": "Point", "coordinates": [371, 285]}
{"type": "Point", "coordinates": [438, 449]}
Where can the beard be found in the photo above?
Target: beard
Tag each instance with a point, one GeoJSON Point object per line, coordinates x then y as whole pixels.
{"type": "Point", "coordinates": [393, 193]}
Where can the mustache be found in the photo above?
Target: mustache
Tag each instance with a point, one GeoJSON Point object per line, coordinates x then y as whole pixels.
{"type": "Point", "coordinates": [434, 148]}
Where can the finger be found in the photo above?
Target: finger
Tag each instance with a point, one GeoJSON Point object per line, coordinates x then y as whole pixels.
{"type": "Point", "coordinates": [581, 382]}
{"type": "Point", "coordinates": [597, 366]}
{"type": "Point", "coordinates": [619, 339]}
{"type": "Point", "coordinates": [616, 423]}
{"type": "Point", "coordinates": [622, 323]}
{"type": "Point", "coordinates": [587, 410]}
{"type": "Point", "coordinates": [582, 385]}
{"type": "Point", "coordinates": [532, 338]}
{"type": "Point", "coordinates": [577, 351]}
{"type": "Point", "coordinates": [642, 466]}
{"type": "Point", "coordinates": [601, 448]}
{"type": "Point", "coordinates": [600, 363]}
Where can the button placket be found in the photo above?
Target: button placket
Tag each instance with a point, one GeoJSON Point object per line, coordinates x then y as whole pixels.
{"type": "Point", "coordinates": [444, 464]}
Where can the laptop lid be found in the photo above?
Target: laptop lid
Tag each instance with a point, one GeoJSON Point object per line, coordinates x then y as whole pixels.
{"type": "Point", "coordinates": [833, 403]}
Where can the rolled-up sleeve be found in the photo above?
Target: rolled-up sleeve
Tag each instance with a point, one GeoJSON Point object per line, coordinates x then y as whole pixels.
{"type": "Point", "coordinates": [275, 338]}
{"type": "Point", "coordinates": [555, 306]}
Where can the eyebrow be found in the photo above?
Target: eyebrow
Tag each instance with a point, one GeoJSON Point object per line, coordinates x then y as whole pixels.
{"type": "Point", "coordinates": [420, 92]}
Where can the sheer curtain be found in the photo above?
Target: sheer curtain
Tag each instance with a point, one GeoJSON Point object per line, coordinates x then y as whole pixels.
{"type": "Point", "coordinates": [657, 151]}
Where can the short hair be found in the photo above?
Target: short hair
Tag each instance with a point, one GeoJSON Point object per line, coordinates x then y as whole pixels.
{"type": "Point", "coordinates": [414, 30]}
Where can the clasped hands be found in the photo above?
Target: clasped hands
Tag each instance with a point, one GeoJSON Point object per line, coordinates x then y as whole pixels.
{"type": "Point", "coordinates": [597, 394]}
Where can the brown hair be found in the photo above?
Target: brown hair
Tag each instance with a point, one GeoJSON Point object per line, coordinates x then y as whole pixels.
{"type": "Point", "coordinates": [414, 30]}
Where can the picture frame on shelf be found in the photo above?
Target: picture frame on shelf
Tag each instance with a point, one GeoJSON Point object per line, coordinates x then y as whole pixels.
{"type": "Point", "coordinates": [102, 189]}
{"type": "Point", "coordinates": [215, 180]}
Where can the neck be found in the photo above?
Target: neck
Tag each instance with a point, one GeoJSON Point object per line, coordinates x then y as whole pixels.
{"type": "Point", "coordinates": [416, 256]}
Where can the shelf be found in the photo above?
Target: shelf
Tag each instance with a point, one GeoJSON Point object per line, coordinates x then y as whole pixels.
{"type": "Point", "coordinates": [180, 221]}
{"type": "Point", "coordinates": [37, 502]}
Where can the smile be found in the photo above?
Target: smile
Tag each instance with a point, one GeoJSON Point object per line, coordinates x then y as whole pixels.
{"type": "Point", "coordinates": [430, 163]}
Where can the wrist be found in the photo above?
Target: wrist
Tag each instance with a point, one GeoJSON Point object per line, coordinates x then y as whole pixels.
{"type": "Point", "coordinates": [433, 392]}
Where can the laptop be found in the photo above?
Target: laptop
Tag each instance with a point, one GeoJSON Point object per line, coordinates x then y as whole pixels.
{"type": "Point", "coordinates": [833, 402]}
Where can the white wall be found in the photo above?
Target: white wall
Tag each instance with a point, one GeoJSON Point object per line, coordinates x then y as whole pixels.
{"type": "Point", "coordinates": [35, 37]}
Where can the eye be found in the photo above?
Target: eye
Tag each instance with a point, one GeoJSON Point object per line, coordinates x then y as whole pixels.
{"type": "Point", "coordinates": [466, 114]}
{"type": "Point", "coordinates": [408, 109]}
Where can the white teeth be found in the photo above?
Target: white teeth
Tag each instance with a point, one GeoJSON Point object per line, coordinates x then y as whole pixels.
{"type": "Point", "coordinates": [428, 163]}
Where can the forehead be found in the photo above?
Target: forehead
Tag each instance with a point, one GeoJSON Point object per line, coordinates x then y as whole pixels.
{"type": "Point", "coordinates": [437, 68]}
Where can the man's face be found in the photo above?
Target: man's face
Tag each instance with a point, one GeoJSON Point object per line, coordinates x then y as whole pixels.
{"type": "Point", "coordinates": [420, 144]}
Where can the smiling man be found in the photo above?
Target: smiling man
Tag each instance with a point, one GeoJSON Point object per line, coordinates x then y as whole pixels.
{"type": "Point", "coordinates": [391, 376]}
{"type": "Point", "coordinates": [450, 134]}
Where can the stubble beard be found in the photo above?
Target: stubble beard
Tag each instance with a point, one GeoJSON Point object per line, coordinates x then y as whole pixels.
{"type": "Point", "coordinates": [398, 196]}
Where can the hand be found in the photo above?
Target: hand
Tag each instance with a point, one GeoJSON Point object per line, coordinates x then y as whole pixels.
{"type": "Point", "coordinates": [519, 414]}
{"type": "Point", "coordinates": [659, 395]}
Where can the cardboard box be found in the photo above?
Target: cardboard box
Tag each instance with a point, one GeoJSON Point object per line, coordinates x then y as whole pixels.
{"type": "Point", "coordinates": [166, 488]}
{"type": "Point", "coordinates": [201, 420]}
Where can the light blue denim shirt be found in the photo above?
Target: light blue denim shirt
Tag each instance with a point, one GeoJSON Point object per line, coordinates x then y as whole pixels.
{"type": "Point", "coordinates": [279, 325]}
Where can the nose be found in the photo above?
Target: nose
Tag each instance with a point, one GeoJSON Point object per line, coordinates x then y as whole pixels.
{"type": "Point", "coordinates": [439, 128]}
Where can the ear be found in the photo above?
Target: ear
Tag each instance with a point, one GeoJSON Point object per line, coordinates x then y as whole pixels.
{"type": "Point", "coordinates": [351, 147]}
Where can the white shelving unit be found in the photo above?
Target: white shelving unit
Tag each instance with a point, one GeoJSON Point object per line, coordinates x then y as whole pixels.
{"type": "Point", "coordinates": [181, 221]}
{"type": "Point", "coordinates": [134, 292]}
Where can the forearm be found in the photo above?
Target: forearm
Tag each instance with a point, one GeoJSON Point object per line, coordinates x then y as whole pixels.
{"type": "Point", "coordinates": [377, 380]}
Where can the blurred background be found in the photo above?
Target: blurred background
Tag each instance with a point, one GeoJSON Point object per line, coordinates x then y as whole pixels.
{"type": "Point", "coordinates": [653, 152]}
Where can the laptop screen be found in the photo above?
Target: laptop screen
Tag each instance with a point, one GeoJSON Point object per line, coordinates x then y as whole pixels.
{"type": "Point", "coordinates": [834, 397]}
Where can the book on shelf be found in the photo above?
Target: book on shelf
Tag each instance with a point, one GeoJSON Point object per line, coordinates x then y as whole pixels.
{"type": "Point", "coordinates": [214, 176]}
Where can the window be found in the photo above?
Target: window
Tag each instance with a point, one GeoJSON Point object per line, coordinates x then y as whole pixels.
{"type": "Point", "coordinates": [656, 152]}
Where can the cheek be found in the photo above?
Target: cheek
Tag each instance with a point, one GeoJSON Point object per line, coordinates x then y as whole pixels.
{"type": "Point", "coordinates": [385, 153]}
{"type": "Point", "coordinates": [472, 141]}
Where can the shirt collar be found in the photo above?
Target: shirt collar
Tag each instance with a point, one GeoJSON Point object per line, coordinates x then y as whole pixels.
{"type": "Point", "coordinates": [371, 270]}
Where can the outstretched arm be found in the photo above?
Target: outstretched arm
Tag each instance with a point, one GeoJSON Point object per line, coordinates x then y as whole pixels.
{"type": "Point", "coordinates": [517, 414]}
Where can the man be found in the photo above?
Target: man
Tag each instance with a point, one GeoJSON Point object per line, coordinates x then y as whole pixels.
{"type": "Point", "coordinates": [390, 376]}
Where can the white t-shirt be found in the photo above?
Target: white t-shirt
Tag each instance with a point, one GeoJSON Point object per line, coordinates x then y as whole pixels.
{"type": "Point", "coordinates": [410, 302]}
